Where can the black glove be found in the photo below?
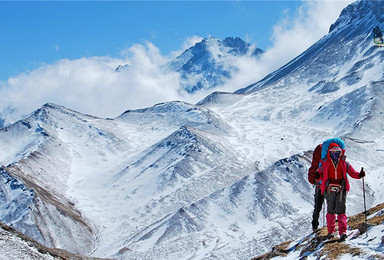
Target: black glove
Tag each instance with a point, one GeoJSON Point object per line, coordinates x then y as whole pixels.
{"type": "Point", "coordinates": [362, 173]}
{"type": "Point", "coordinates": [317, 175]}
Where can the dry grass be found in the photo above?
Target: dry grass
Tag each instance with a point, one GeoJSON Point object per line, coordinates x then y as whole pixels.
{"type": "Point", "coordinates": [356, 220]}
{"type": "Point", "coordinates": [335, 250]}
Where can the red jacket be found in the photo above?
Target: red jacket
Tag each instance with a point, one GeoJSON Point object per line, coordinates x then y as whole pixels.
{"type": "Point", "coordinates": [342, 169]}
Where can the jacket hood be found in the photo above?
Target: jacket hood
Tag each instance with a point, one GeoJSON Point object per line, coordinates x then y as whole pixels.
{"type": "Point", "coordinates": [332, 145]}
{"type": "Point", "coordinates": [326, 143]}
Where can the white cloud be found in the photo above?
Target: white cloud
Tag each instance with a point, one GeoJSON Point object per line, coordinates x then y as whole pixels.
{"type": "Point", "coordinates": [291, 36]}
{"type": "Point", "coordinates": [91, 85]}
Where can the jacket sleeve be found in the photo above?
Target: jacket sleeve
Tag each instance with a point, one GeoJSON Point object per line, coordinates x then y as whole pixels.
{"type": "Point", "coordinates": [351, 172]}
{"type": "Point", "coordinates": [314, 165]}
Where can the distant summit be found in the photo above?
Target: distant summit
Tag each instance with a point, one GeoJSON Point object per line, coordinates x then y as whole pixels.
{"type": "Point", "coordinates": [209, 63]}
{"type": "Point", "coordinates": [205, 65]}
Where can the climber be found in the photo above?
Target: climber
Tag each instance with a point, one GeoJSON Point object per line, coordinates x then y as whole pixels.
{"type": "Point", "coordinates": [378, 34]}
{"type": "Point", "coordinates": [313, 177]}
{"type": "Point", "coordinates": [332, 173]}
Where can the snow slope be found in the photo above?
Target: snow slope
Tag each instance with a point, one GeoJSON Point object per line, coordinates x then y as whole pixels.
{"type": "Point", "coordinates": [15, 246]}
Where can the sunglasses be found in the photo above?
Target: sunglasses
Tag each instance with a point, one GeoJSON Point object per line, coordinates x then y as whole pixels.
{"type": "Point", "coordinates": [335, 155]}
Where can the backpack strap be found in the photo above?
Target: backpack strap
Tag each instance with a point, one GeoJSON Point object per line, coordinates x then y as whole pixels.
{"type": "Point", "coordinates": [348, 164]}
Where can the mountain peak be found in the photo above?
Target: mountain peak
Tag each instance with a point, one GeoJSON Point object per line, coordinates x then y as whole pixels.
{"type": "Point", "coordinates": [235, 44]}
{"type": "Point", "coordinates": [368, 13]}
{"type": "Point", "coordinates": [53, 106]}
{"type": "Point", "coordinates": [205, 65]}
{"type": "Point", "coordinates": [239, 47]}
{"type": "Point", "coordinates": [342, 56]}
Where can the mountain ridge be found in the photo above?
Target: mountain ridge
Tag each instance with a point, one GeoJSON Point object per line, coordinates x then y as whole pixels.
{"type": "Point", "coordinates": [23, 247]}
{"type": "Point", "coordinates": [355, 33]}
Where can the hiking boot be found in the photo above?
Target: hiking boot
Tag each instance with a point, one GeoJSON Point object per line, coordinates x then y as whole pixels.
{"type": "Point", "coordinates": [343, 237]}
{"type": "Point", "coordinates": [329, 236]}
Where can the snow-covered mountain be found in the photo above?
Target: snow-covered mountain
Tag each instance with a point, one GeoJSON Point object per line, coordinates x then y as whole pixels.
{"type": "Point", "coordinates": [225, 178]}
{"type": "Point", "coordinates": [207, 64]}
{"type": "Point", "coordinates": [151, 162]}
{"type": "Point", "coordinates": [345, 56]}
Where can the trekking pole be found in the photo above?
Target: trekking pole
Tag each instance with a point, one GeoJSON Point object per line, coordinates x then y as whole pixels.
{"type": "Point", "coordinates": [365, 205]}
{"type": "Point", "coordinates": [323, 215]}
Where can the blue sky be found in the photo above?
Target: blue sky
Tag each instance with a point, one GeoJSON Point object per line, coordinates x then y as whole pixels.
{"type": "Point", "coordinates": [67, 52]}
{"type": "Point", "coordinates": [33, 33]}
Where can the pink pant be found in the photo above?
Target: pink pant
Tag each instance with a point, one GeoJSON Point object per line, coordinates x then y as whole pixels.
{"type": "Point", "coordinates": [342, 221]}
